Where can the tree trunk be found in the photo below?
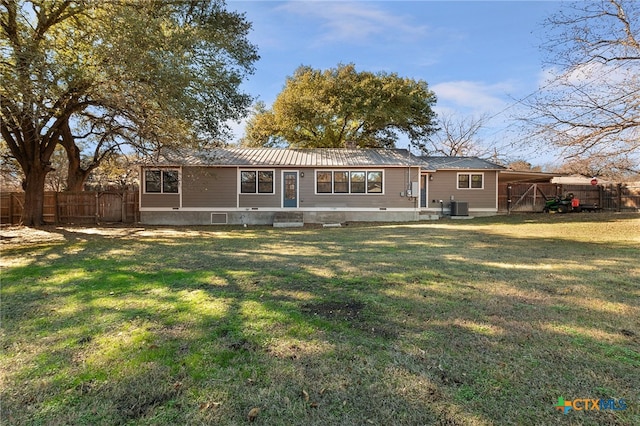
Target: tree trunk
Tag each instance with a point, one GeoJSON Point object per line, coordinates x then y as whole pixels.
{"type": "Point", "coordinates": [76, 175]}
{"type": "Point", "coordinates": [34, 196]}
{"type": "Point", "coordinates": [76, 178]}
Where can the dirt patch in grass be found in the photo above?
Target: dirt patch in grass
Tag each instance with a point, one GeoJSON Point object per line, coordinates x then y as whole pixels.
{"type": "Point", "coordinates": [14, 236]}
{"type": "Point", "coordinates": [21, 236]}
{"type": "Point", "coordinates": [347, 310]}
{"type": "Point", "coordinates": [149, 386]}
{"type": "Point", "coordinates": [354, 313]}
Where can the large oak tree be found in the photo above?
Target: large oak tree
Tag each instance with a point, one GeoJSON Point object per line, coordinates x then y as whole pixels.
{"type": "Point", "coordinates": [108, 74]}
{"type": "Point", "coordinates": [329, 108]}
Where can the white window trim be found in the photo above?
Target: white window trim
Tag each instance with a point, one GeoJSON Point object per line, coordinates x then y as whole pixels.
{"type": "Point", "coordinates": [469, 174]}
{"type": "Point", "coordinates": [161, 169]}
{"type": "Point", "coordinates": [273, 187]}
{"type": "Point", "coordinates": [366, 174]}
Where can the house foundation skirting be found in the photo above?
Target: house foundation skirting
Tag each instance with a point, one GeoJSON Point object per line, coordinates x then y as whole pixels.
{"type": "Point", "coordinates": [264, 217]}
{"type": "Point", "coordinates": [475, 212]}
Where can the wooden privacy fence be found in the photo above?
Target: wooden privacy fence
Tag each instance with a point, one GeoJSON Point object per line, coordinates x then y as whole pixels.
{"type": "Point", "coordinates": [75, 207]}
{"type": "Point", "coordinates": [531, 197]}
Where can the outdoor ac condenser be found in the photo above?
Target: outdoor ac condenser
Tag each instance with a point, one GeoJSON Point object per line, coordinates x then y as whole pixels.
{"type": "Point", "coordinates": [459, 208]}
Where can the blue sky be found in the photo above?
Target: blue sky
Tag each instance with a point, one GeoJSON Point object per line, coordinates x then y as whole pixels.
{"type": "Point", "coordinates": [479, 57]}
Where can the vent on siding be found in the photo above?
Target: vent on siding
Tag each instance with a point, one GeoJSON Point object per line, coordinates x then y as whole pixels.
{"type": "Point", "coordinates": [218, 218]}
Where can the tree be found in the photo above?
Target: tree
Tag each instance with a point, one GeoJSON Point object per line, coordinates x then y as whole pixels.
{"type": "Point", "coordinates": [590, 105]}
{"type": "Point", "coordinates": [117, 172]}
{"type": "Point", "coordinates": [56, 179]}
{"type": "Point", "coordinates": [330, 108]}
{"type": "Point", "coordinates": [457, 137]}
{"type": "Point", "coordinates": [598, 167]}
{"type": "Point", "coordinates": [145, 74]}
{"type": "Point", "coordinates": [523, 166]}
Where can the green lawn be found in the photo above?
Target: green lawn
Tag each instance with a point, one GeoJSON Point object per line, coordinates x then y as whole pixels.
{"type": "Point", "coordinates": [453, 322]}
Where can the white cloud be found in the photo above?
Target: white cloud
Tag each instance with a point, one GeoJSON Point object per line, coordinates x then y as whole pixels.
{"type": "Point", "coordinates": [472, 96]}
{"type": "Point", "coordinates": [354, 21]}
{"type": "Point", "coordinates": [592, 74]}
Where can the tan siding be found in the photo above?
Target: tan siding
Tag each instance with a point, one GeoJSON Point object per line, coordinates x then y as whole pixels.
{"type": "Point", "coordinates": [209, 187]}
{"type": "Point", "coordinates": [260, 200]}
{"type": "Point", "coordinates": [160, 200]}
{"type": "Point", "coordinates": [264, 200]}
{"type": "Point", "coordinates": [157, 199]}
{"type": "Point", "coordinates": [395, 181]}
{"type": "Point", "coordinates": [445, 183]}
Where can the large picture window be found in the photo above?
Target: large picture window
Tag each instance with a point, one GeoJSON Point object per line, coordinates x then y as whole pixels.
{"type": "Point", "coordinates": [161, 181]}
{"type": "Point", "coordinates": [349, 181]}
{"type": "Point", "coordinates": [470, 181]}
{"type": "Point", "coordinates": [256, 182]}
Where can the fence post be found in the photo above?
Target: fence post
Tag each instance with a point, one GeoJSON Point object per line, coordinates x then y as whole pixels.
{"type": "Point", "coordinates": [619, 189]}
{"type": "Point", "coordinates": [123, 207]}
{"type": "Point", "coordinates": [20, 205]}
{"type": "Point", "coordinates": [10, 208]}
{"type": "Point", "coordinates": [600, 196]}
{"type": "Point", "coordinates": [56, 206]}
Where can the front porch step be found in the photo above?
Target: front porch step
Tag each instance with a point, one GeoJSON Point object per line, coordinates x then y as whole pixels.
{"type": "Point", "coordinates": [288, 220]}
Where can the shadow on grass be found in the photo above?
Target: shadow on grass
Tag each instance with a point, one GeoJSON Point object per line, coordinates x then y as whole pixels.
{"type": "Point", "coordinates": [382, 325]}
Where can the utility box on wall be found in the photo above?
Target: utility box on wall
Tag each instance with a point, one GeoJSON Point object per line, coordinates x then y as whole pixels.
{"type": "Point", "coordinates": [459, 208]}
{"type": "Point", "coordinates": [415, 189]}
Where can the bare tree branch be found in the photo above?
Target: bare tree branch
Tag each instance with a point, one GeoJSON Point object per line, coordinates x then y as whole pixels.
{"type": "Point", "coordinates": [590, 106]}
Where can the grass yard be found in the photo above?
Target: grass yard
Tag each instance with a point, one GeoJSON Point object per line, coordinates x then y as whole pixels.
{"type": "Point", "coordinates": [453, 322]}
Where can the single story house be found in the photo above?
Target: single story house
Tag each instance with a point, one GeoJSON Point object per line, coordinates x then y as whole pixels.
{"type": "Point", "coordinates": [455, 180]}
{"type": "Point", "coordinates": [324, 185]}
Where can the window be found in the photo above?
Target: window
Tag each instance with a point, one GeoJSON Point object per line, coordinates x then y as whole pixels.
{"type": "Point", "coordinates": [265, 182]}
{"type": "Point", "coordinates": [463, 181]}
{"type": "Point", "coordinates": [374, 182]}
{"type": "Point", "coordinates": [357, 182]}
{"type": "Point", "coordinates": [256, 182]}
{"type": "Point", "coordinates": [324, 182]}
{"type": "Point", "coordinates": [470, 181]}
{"type": "Point", "coordinates": [349, 182]}
{"type": "Point", "coordinates": [341, 182]}
{"type": "Point", "coordinates": [170, 181]}
{"type": "Point", "coordinates": [161, 181]}
{"type": "Point", "coordinates": [248, 182]}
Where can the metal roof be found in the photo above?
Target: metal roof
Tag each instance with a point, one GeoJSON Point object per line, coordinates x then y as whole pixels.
{"type": "Point", "coordinates": [515, 176]}
{"type": "Point", "coordinates": [459, 163]}
{"type": "Point", "coordinates": [317, 157]}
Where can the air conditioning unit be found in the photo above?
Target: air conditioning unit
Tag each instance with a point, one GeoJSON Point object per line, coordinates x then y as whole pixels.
{"type": "Point", "coordinates": [459, 208]}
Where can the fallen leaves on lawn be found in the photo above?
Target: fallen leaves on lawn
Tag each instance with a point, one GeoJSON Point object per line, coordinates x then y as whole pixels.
{"type": "Point", "coordinates": [253, 414]}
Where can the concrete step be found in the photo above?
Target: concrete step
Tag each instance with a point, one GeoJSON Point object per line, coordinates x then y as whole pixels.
{"type": "Point", "coordinates": [288, 220]}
